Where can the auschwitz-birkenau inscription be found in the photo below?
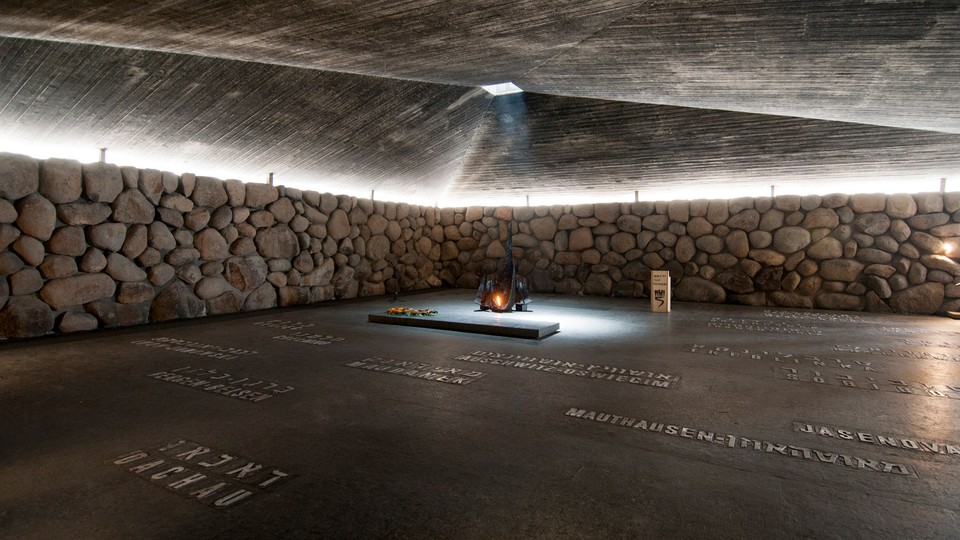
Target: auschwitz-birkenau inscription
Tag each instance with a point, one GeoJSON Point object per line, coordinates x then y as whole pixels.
{"type": "Point", "coordinates": [190, 347]}
{"type": "Point", "coordinates": [899, 353]}
{"type": "Point", "coordinates": [736, 441]}
{"type": "Point", "coordinates": [914, 331]}
{"type": "Point", "coordinates": [593, 371]}
{"type": "Point", "coordinates": [284, 324]}
{"type": "Point", "coordinates": [773, 327]}
{"type": "Point", "coordinates": [893, 441]}
{"type": "Point", "coordinates": [783, 358]}
{"type": "Point", "coordinates": [869, 383]}
{"type": "Point", "coordinates": [804, 316]}
{"type": "Point", "coordinates": [218, 382]}
{"type": "Point", "coordinates": [213, 477]}
{"type": "Point", "coordinates": [417, 370]}
{"type": "Point", "coordinates": [310, 339]}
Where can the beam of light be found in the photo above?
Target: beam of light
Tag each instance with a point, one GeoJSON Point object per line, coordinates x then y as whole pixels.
{"type": "Point", "coordinates": [502, 89]}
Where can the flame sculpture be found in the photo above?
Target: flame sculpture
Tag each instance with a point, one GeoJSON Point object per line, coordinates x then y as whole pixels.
{"type": "Point", "coordinates": [503, 290]}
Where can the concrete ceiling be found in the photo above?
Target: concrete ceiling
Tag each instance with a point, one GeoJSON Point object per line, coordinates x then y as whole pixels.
{"type": "Point", "coordinates": [626, 95]}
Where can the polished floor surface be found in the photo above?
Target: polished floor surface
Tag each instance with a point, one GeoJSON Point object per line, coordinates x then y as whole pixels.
{"type": "Point", "coordinates": [710, 421]}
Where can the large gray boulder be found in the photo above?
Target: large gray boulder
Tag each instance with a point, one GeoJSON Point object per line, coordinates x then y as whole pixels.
{"type": "Point", "coordinates": [132, 206]}
{"type": "Point", "coordinates": [121, 268]}
{"type": "Point", "coordinates": [61, 180]}
{"type": "Point", "coordinates": [8, 214]}
{"type": "Point", "coordinates": [102, 182]}
{"type": "Point", "coordinates": [212, 245]}
{"type": "Point", "coordinates": [83, 213]}
{"type": "Point", "coordinates": [245, 273]}
{"type": "Point", "coordinates": [72, 291]}
{"type": "Point", "coordinates": [19, 176]}
{"type": "Point", "coordinates": [24, 317]}
{"type": "Point", "coordinates": [209, 192]}
{"type": "Point", "coordinates": [263, 297]}
{"type": "Point", "coordinates": [260, 195]}
{"type": "Point", "coordinates": [176, 301]}
{"type": "Point", "coordinates": [788, 240]}
{"type": "Point", "coordinates": [37, 216]}
{"type": "Point", "coordinates": [107, 236]}
{"type": "Point", "coordinates": [278, 242]}
{"type": "Point", "coordinates": [923, 299]}
{"type": "Point", "coordinates": [695, 289]}
{"type": "Point", "coordinates": [113, 314]}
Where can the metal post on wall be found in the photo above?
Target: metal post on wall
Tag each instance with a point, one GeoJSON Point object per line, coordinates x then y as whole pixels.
{"type": "Point", "coordinates": [103, 155]}
{"type": "Point", "coordinates": [772, 189]}
{"type": "Point", "coordinates": [528, 200]}
{"type": "Point", "coordinates": [943, 185]}
{"type": "Point", "coordinates": [636, 196]}
{"type": "Point", "coordinates": [270, 179]}
{"type": "Point", "coordinates": [371, 194]}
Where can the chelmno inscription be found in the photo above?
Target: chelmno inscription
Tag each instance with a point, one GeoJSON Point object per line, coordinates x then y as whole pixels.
{"type": "Point", "coordinates": [194, 348]}
{"type": "Point", "coordinates": [224, 384]}
{"type": "Point", "coordinates": [576, 369]}
{"type": "Point", "coordinates": [738, 442]}
{"type": "Point", "coordinates": [783, 358]}
{"type": "Point", "coordinates": [417, 370]}
{"type": "Point", "coordinates": [890, 441]}
{"type": "Point", "coordinates": [869, 383]}
{"type": "Point", "coordinates": [216, 478]}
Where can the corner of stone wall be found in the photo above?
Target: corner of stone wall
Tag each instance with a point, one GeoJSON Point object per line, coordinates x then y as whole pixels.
{"type": "Point", "coordinates": [870, 252]}
{"type": "Point", "coordinates": [87, 246]}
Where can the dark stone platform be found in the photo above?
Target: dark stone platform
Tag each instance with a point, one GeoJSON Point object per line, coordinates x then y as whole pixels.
{"type": "Point", "coordinates": [493, 324]}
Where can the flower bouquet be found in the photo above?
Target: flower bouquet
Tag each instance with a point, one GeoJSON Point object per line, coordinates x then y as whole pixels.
{"type": "Point", "coordinates": [410, 312]}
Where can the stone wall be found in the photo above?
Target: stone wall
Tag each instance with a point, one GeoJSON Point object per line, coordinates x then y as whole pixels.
{"type": "Point", "coordinates": [97, 246]}
{"type": "Point", "coordinates": [858, 252]}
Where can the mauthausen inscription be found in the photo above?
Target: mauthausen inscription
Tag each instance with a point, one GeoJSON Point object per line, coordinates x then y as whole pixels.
{"type": "Point", "coordinates": [310, 339]}
{"type": "Point", "coordinates": [417, 370]}
{"type": "Point", "coordinates": [782, 358]}
{"type": "Point", "coordinates": [773, 327]}
{"type": "Point", "coordinates": [869, 383]}
{"type": "Point", "coordinates": [899, 353]}
{"type": "Point", "coordinates": [894, 441]}
{"type": "Point", "coordinates": [190, 347]}
{"type": "Point", "coordinates": [562, 367]}
{"type": "Point", "coordinates": [920, 331]}
{"type": "Point", "coordinates": [284, 324]}
{"type": "Point", "coordinates": [218, 382]}
{"type": "Point", "coordinates": [736, 441]}
{"type": "Point", "coordinates": [213, 477]}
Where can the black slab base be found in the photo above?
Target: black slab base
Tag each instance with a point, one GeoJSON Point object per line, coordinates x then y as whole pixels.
{"type": "Point", "coordinates": [477, 323]}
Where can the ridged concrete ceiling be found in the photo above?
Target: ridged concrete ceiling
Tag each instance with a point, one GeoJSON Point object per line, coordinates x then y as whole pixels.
{"type": "Point", "coordinates": [354, 96]}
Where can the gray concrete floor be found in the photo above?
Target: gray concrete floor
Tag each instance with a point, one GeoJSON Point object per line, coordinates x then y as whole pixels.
{"type": "Point", "coordinates": [339, 451]}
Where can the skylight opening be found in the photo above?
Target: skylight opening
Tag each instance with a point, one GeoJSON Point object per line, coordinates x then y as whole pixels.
{"type": "Point", "coordinates": [502, 89]}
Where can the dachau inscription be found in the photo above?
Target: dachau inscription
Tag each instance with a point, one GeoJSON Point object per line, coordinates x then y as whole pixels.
{"type": "Point", "coordinates": [576, 369]}
{"type": "Point", "coordinates": [782, 358]}
{"type": "Point", "coordinates": [736, 441]}
{"type": "Point", "coordinates": [774, 327]}
{"type": "Point", "coordinates": [191, 347]}
{"type": "Point", "coordinates": [224, 384]}
{"type": "Point", "coordinates": [216, 478]}
{"type": "Point", "coordinates": [417, 370]}
{"type": "Point", "coordinates": [893, 441]}
{"type": "Point", "coordinates": [869, 383]}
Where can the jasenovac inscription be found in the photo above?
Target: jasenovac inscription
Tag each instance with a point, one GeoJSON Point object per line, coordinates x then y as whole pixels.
{"type": "Point", "coordinates": [224, 384]}
{"type": "Point", "coordinates": [870, 383]}
{"type": "Point", "coordinates": [576, 369]}
{"type": "Point", "coordinates": [216, 478]}
{"type": "Point", "coordinates": [736, 441]}
{"type": "Point", "coordinates": [892, 441]}
{"type": "Point", "coordinates": [773, 327]}
{"type": "Point", "coordinates": [417, 370]}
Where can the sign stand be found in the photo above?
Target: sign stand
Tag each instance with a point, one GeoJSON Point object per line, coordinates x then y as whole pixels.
{"type": "Point", "coordinates": [660, 291]}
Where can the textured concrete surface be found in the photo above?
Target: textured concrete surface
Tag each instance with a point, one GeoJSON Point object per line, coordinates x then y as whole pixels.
{"type": "Point", "coordinates": [303, 423]}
